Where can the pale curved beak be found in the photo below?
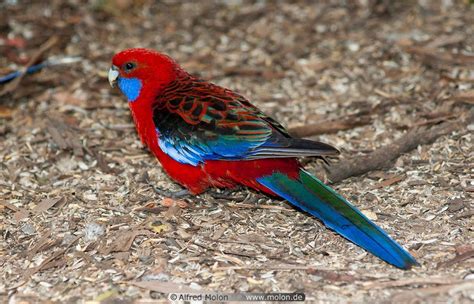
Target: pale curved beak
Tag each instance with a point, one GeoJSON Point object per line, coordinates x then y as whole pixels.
{"type": "Point", "coordinates": [113, 75]}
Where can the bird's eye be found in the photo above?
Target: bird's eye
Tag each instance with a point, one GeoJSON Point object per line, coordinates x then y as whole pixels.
{"type": "Point", "coordinates": [129, 66]}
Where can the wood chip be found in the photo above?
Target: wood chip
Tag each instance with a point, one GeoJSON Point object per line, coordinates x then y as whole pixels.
{"type": "Point", "coordinates": [332, 276]}
{"type": "Point", "coordinates": [434, 57]}
{"type": "Point", "coordinates": [422, 294]}
{"type": "Point", "coordinates": [21, 214]}
{"type": "Point", "coordinates": [389, 182]}
{"type": "Point", "coordinates": [459, 258]}
{"type": "Point", "coordinates": [6, 112]}
{"type": "Point", "coordinates": [31, 271]}
{"type": "Point", "coordinates": [465, 96]}
{"type": "Point", "coordinates": [122, 241]}
{"type": "Point", "coordinates": [9, 206]}
{"type": "Point", "coordinates": [165, 287]}
{"type": "Point", "coordinates": [46, 204]}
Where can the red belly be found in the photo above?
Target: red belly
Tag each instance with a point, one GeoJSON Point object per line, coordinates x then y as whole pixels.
{"type": "Point", "coordinates": [225, 174]}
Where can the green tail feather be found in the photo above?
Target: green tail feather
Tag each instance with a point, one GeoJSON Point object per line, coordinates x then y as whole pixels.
{"type": "Point", "coordinates": [314, 197]}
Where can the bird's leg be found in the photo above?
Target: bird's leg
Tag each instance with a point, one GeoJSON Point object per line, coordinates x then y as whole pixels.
{"type": "Point", "coordinates": [223, 194]}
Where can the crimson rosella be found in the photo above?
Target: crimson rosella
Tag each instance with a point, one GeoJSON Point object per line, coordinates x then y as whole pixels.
{"type": "Point", "coordinates": [207, 136]}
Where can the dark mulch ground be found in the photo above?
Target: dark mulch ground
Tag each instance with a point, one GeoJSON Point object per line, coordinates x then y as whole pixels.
{"type": "Point", "coordinates": [79, 220]}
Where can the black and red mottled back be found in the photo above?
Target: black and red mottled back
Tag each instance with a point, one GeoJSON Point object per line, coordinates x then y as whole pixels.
{"type": "Point", "coordinates": [200, 121]}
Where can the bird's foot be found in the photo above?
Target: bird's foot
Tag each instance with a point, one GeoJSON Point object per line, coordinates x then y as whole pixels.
{"type": "Point", "coordinates": [220, 194]}
{"type": "Point", "coordinates": [226, 194]}
{"type": "Point", "coordinates": [180, 194]}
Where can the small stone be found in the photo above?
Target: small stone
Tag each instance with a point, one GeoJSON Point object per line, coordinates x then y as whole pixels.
{"type": "Point", "coordinates": [92, 231]}
{"type": "Point", "coordinates": [28, 229]}
{"type": "Point", "coordinates": [456, 205]}
{"type": "Point", "coordinates": [370, 215]}
{"type": "Point", "coordinates": [160, 276]}
{"type": "Point", "coordinates": [353, 46]}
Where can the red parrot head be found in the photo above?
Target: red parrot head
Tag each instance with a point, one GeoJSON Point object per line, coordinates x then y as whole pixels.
{"type": "Point", "coordinates": [139, 72]}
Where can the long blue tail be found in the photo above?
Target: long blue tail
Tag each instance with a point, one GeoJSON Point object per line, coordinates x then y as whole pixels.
{"type": "Point", "coordinates": [311, 195]}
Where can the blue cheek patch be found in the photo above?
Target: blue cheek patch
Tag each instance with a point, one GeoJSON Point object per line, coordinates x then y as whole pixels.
{"type": "Point", "coordinates": [130, 87]}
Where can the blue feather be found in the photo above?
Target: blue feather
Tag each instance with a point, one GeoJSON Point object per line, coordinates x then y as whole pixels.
{"type": "Point", "coordinates": [130, 87]}
{"type": "Point", "coordinates": [195, 151]}
{"type": "Point", "coordinates": [32, 69]}
{"type": "Point", "coordinates": [312, 196]}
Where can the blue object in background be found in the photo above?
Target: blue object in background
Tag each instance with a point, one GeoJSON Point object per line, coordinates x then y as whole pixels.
{"type": "Point", "coordinates": [35, 68]}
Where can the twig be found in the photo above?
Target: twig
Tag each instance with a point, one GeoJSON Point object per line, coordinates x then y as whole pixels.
{"type": "Point", "coordinates": [362, 117]}
{"type": "Point", "coordinates": [412, 281]}
{"type": "Point", "coordinates": [9, 206]}
{"type": "Point", "coordinates": [30, 271]}
{"type": "Point", "coordinates": [333, 276]}
{"type": "Point", "coordinates": [329, 126]}
{"type": "Point", "coordinates": [457, 259]}
{"type": "Point", "coordinates": [283, 267]}
{"type": "Point", "coordinates": [223, 251]}
{"type": "Point", "coordinates": [436, 118]}
{"type": "Point", "coordinates": [445, 40]}
{"type": "Point", "coordinates": [465, 97]}
{"type": "Point", "coordinates": [259, 206]}
{"type": "Point", "coordinates": [37, 55]}
{"type": "Point", "coordinates": [383, 156]}
{"type": "Point", "coordinates": [165, 287]}
{"type": "Point", "coordinates": [200, 243]}
{"type": "Point", "coordinates": [432, 56]}
{"type": "Point", "coordinates": [421, 295]}
{"type": "Point", "coordinates": [251, 72]}
{"type": "Point", "coordinates": [468, 213]}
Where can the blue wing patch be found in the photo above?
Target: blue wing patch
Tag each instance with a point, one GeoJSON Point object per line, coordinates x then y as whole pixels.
{"type": "Point", "coordinates": [193, 151]}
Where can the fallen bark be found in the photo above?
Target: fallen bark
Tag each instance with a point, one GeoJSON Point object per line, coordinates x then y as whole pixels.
{"type": "Point", "coordinates": [384, 156]}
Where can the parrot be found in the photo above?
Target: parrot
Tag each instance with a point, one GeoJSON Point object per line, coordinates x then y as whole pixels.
{"type": "Point", "coordinates": [207, 136]}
